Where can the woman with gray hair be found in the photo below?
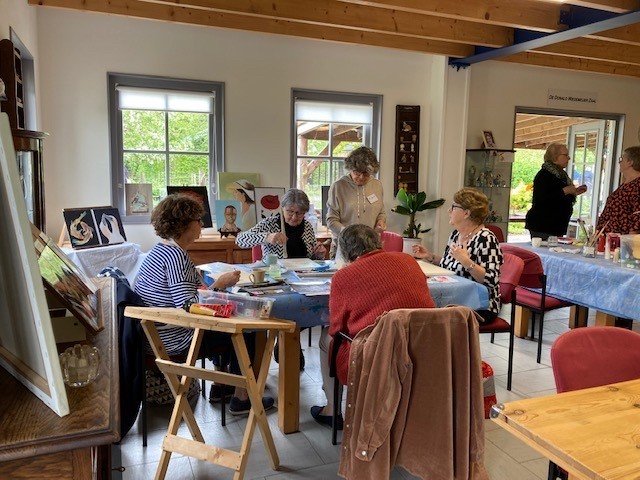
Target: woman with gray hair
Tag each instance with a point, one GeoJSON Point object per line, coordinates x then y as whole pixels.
{"type": "Point", "coordinates": [298, 234]}
{"type": "Point", "coordinates": [373, 282]}
{"type": "Point", "coordinates": [357, 196]}
{"type": "Point", "coordinates": [553, 195]}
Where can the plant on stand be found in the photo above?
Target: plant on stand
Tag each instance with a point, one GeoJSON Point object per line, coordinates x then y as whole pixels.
{"type": "Point", "coordinates": [410, 204]}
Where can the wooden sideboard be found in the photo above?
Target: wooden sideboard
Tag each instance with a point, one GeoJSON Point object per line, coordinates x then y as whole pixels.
{"type": "Point", "coordinates": [37, 443]}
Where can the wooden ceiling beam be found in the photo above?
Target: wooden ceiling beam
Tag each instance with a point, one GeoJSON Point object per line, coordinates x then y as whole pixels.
{"type": "Point", "coordinates": [170, 13]}
{"type": "Point", "coordinates": [543, 135]}
{"type": "Point", "coordinates": [617, 6]}
{"type": "Point", "coordinates": [544, 126]}
{"type": "Point", "coordinates": [527, 14]}
{"type": "Point", "coordinates": [595, 50]}
{"type": "Point", "coordinates": [569, 63]}
{"type": "Point", "coordinates": [338, 14]}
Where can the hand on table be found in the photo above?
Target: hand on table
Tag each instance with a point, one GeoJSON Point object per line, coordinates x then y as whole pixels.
{"type": "Point", "coordinates": [227, 279]}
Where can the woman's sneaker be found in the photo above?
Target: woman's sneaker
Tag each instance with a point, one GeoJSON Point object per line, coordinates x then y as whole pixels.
{"type": "Point", "coordinates": [242, 407]}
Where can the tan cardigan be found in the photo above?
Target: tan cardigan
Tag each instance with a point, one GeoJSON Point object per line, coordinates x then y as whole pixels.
{"type": "Point", "coordinates": [415, 397]}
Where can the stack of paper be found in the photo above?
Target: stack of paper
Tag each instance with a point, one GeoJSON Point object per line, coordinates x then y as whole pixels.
{"type": "Point", "coordinates": [431, 270]}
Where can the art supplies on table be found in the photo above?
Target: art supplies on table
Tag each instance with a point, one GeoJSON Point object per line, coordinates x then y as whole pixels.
{"type": "Point", "coordinates": [442, 279]}
{"type": "Point", "coordinates": [298, 264]}
{"type": "Point", "coordinates": [311, 288]}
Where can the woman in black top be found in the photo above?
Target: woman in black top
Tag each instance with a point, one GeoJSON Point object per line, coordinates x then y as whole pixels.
{"type": "Point", "coordinates": [553, 195]}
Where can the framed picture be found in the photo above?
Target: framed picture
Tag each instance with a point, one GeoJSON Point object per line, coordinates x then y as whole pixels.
{"type": "Point", "coordinates": [67, 282]}
{"type": "Point", "coordinates": [27, 345]}
{"type": "Point", "coordinates": [94, 226]}
{"type": "Point", "coordinates": [268, 201]}
{"type": "Point", "coordinates": [200, 194]}
{"type": "Point", "coordinates": [487, 139]}
{"type": "Point", "coordinates": [241, 187]}
{"type": "Point", "coordinates": [139, 198]}
{"type": "Point", "coordinates": [227, 217]}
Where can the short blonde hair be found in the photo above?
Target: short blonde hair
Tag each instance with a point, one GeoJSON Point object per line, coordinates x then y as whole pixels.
{"type": "Point", "coordinates": [475, 201]}
{"type": "Point", "coordinates": [553, 152]}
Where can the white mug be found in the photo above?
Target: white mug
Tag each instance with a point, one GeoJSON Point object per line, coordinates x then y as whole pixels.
{"type": "Point", "coordinates": [536, 241]}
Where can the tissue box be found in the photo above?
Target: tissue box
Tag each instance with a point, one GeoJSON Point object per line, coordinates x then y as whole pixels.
{"type": "Point", "coordinates": [244, 305]}
{"type": "Point", "coordinates": [630, 251]}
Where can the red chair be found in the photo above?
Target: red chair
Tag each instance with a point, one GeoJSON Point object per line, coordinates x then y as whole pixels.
{"type": "Point", "coordinates": [256, 253]}
{"type": "Point", "coordinates": [497, 231]}
{"type": "Point", "coordinates": [591, 357]}
{"type": "Point", "coordinates": [510, 273]}
{"type": "Point", "coordinates": [531, 291]}
{"type": "Point", "coordinates": [391, 242]}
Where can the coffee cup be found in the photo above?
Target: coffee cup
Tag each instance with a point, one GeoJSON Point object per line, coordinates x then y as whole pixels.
{"type": "Point", "coordinates": [257, 275]}
{"type": "Point", "coordinates": [536, 241]}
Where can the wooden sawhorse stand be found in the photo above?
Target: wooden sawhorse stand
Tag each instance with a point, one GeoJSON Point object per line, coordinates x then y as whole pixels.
{"type": "Point", "coordinates": [179, 377]}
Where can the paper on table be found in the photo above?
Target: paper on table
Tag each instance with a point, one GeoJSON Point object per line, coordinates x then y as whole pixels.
{"type": "Point", "coordinates": [442, 279]}
{"type": "Point", "coordinates": [216, 268]}
{"type": "Point", "coordinates": [311, 288]}
{"type": "Point", "coordinates": [430, 270]}
{"type": "Point", "coordinates": [298, 264]}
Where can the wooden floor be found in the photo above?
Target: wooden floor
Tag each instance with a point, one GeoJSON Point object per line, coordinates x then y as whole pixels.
{"type": "Point", "coordinates": [309, 454]}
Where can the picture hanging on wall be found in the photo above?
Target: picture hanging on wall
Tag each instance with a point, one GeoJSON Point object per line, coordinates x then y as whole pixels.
{"type": "Point", "coordinates": [227, 217]}
{"type": "Point", "coordinates": [241, 187]}
{"type": "Point", "coordinates": [268, 201]}
{"type": "Point", "coordinates": [139, 198]}
{"type": "Point", "coordinates": [487, 139]}
{"type": "Point", "coordinates": [198, 193]}
{"type": "Point", "coordinates": [94, 226]}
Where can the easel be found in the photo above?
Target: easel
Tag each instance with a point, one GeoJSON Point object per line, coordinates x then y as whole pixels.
{"type": "Point", "coordinates": [179, 377]}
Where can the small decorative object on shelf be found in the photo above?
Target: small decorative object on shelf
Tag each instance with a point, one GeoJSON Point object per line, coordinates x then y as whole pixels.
{"type": "Point", "coordinates": [407, 148]}
{"type": "Point", "coordinates": [80, 365]}
{"type": "Point", "coordinates": [487, 139]}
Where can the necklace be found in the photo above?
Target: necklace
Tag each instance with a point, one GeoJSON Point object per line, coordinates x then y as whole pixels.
{"type": "Point", "coordinates": [463, 239]}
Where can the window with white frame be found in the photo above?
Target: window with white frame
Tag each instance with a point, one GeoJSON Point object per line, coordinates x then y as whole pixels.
{"type": "Point", "coordinates": [327, 126]}
{"type": "Point", "coordinates": [163, 132]}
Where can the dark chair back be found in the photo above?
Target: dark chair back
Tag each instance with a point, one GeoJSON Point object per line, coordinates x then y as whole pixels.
{"type": "Point", "coordinates": [533, 272]}
{"type": "Point", "coordinates": [497, 231]}
{"type": "Point", "coordinates": [594, 356]}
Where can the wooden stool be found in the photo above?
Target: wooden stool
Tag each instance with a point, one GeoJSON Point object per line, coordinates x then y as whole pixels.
{"type": "Point", "coordinates": [179, 376]}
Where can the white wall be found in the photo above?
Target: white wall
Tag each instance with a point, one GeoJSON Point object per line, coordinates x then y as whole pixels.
{"type": "Point", "coordinates": [78, 49]}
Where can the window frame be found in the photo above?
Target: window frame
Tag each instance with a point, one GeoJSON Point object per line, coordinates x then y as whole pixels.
{"type": "Point", "coordinates": [216, 131]}
{"type": "Point", "coordinates": [299, 94]}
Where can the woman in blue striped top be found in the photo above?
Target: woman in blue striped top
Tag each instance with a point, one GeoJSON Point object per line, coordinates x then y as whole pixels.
{"type": "Point", "coordinates": [168, 278]}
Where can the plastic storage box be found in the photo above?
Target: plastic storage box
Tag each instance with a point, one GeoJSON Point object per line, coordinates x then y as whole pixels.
{"type": "Point", "coordinates": [630, 251]}
{"type": "Point", "coordinates": [244, 305]}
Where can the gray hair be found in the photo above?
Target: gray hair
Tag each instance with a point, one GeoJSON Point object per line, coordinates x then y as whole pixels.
{"type": "Point", "coordinates": [362, 160]}
{"type": "Point", "coordinates": [296, 198]}
{"type": "Point", "coordinates": [553, 152]}
{"type": "Point", "coordinates": [357, 240]}
{"type": "Point", "coordinates": [633, 154]}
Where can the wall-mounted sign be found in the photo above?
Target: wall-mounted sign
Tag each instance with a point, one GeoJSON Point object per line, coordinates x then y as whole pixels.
{"type": "Point", "coordinates": [571, 98]}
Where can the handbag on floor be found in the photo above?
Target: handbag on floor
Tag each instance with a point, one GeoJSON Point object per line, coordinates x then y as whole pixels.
{"type": "Point", "coordinates": [158, 391]}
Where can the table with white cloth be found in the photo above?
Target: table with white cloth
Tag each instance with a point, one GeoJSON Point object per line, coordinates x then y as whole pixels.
{"type": "Point", "coordinates": [125, 256]}
{"type": "Point", "coordinates": [596, 283]}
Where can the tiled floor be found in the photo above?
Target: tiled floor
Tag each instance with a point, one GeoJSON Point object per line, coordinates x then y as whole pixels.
{"type": "Point", "coordinates": [309, 454]}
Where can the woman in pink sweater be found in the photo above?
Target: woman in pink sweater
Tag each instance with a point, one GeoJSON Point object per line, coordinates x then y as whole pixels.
{"type": "Point", "coordinates": [373, 282]}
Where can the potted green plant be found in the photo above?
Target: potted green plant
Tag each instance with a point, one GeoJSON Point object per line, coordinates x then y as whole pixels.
{"type": "Point", "coordinates": [410, 204]}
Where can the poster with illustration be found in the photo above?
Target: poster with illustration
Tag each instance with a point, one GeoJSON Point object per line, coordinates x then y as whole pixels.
{"type": "Point", "coordinates": [139, 199]}
{"type": "Point", "coordinates": [241, 187]}
{"type": "Point", "coordinates": [227, 218]}
{"type": "Point", "coordinates": [94, 226]}
{"type": "Point", "coordinates": [199, 193]}
{"type": "Point", "coordinates": [268, 201]}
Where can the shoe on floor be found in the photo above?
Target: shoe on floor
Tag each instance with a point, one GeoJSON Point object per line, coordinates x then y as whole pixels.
{"type": "Point", "coordinates": [242, 407]}
{"type": "Point", "coordinates": [217, 390]}
{"type": "Point", "coordinates": [325, 419]}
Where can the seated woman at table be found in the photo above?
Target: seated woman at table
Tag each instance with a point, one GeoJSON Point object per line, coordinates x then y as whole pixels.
{"type": "Point", "coordinates": [168, 278]}
{"type": "Point", "coordinates": [298, 236]}
{"type": "Point", "coordinates": [372, 282]}
{"type": "Point", "coordinates": [473, 250]}
{"type": "Point", "coordinates": [621, 213]}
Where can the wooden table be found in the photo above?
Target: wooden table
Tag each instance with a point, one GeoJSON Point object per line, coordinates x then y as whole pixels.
{"type": "Point", "coordinates": [592, 433]}
{"type": "Point", "coordinates": [179, 377]}
{"type": "Point", "coordinates": [37, 443]}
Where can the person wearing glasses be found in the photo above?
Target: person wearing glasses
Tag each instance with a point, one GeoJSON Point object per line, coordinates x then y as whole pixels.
{"type": "Point", "coordinates": [357, 197]}
{"type": "Point", "coordinates": [621, 213]}
{"type": "Point", "coordinates": [168, 278]}
{"type": "Point", "coordinates": [554, 195]}
{"type": "Point", "coordinates": [298, 235]}
{"type": "Point", "coordinates": [473, 251]}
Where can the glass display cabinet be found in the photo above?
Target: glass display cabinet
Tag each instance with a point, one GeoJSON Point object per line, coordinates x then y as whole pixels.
{"type": "Point", "coordinates": [28, 146]}
{"type": "Point", "coordinates": [489, 170]}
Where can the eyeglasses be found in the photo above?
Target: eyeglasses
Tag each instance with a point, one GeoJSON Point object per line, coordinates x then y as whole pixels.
{"type": "Point", "coordinates": [292, 213]}
{"type": "Point", "coordinates": [361, 174]}
{"type": "Point", "coordinates": [565, 154]}
{"type": "Point", "coordinates": [453, 206]}
{"type": "Point", "coordinates": [621, 159]}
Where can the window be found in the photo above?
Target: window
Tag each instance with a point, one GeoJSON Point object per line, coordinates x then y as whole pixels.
{"type": "Point", "coordinates": [327, 126]}
{"type": "Point", "coordinates": [163, 132]}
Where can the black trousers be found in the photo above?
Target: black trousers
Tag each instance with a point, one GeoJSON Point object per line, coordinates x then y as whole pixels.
{"type": "Point", "coordinates": [218, 347]}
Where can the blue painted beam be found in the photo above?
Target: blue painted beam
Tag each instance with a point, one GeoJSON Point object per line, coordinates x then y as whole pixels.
{"type": "Point", "coordinates": [621, 20]}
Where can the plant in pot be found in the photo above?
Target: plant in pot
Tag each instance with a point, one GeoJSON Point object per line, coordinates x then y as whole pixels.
{"type": "Point", "coordinates": [410, 204]}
